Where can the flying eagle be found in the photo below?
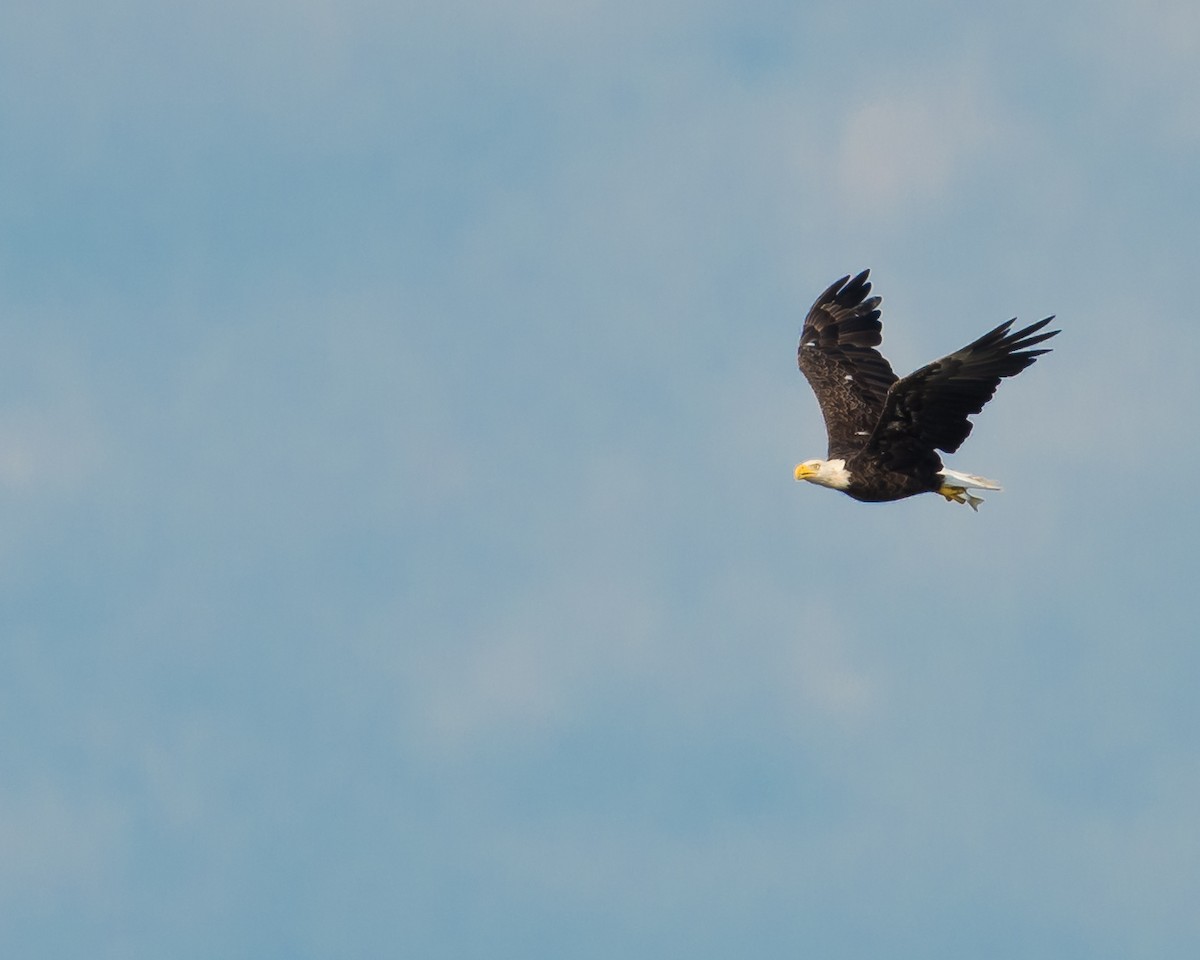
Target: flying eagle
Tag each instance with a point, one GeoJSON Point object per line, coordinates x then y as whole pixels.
{"type": "Point", "coordinates": [884, 433]}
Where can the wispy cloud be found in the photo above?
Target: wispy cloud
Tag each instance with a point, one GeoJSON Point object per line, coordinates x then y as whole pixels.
{"type": "Point", "coordinates": [61, 848]}
{"type": "Point", "coordinates": [914, 143]}
{"type": "Point", "coordinates": [421, 386]}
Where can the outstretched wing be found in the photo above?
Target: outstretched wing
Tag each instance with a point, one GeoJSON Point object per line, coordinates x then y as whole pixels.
{"type": "Point", "coordinates": [836, 356]}
{"type": "Point", "coordinates": [928, 410]}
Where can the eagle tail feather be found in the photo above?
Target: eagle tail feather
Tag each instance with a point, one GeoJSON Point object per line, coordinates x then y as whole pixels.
{"type": "Point", "coordinates": [971, 481]}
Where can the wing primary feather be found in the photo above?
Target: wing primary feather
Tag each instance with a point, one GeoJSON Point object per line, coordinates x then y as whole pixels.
{"type": "Point", "coordinates": [836, 356]}
{"type": "Point", "coordinates": [928, 410]}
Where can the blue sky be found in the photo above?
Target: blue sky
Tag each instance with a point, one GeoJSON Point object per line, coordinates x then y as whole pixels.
{"type": "Point", "coordinates": [400, 550]}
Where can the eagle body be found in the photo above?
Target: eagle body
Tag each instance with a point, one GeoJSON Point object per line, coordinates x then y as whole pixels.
{"type": "Point", "coordinates": [863, 480]}
{"type": "Point", "coordinates": [885, 432]}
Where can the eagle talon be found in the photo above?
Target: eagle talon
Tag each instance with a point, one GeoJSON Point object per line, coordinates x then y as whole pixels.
{"type": "Point", "coordinates": [960, 495]}
{"type": "Point", "coordinates": [957, 494]}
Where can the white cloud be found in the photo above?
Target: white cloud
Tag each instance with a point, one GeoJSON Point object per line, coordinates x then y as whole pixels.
{"type": "Point", "coordinates": [53, 440]}
{"type": "Point", "coordinates": [47, 449]}
{"type": "Point", "coordinates": [538, 666]}
{"type": "Point", "coordinates": [55, 845]}
{"type": "Point", "coordinates": [1148, 58]}
{"type": "Point", "coordinates": [552, 484]}
{"type": "Point", "coordinates": [914, 143]}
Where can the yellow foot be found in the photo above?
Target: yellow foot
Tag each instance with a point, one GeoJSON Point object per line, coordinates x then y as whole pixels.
{"type": "Point", "coordinates": [960, 495]}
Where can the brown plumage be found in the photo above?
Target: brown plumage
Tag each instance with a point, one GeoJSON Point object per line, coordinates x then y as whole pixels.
{"type": "Point", "coordinates": [886, 431]}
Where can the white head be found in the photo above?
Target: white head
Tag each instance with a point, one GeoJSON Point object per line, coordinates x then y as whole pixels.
{"type": "Point", "coordinates": [826, 473]}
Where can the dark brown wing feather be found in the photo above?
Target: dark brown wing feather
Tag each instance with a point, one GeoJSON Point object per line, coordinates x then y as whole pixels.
{"type": "Point", "coordinates": [928, 409]}
{"type": "Point", "coordinates": [836, 356]}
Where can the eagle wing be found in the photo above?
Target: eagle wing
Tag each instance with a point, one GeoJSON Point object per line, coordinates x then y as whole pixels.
{"type": "Point", "coordinates": [836, 355]}
{"type": "Point", "coordinates": [928, 409]}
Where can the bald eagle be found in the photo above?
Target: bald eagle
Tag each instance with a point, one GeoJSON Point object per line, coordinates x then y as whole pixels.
{"type": "Point", "coordinates": [884, 432]}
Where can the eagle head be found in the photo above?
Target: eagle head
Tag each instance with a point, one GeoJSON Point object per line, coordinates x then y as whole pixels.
{"type": "Point", "coordinates": [826, 473]}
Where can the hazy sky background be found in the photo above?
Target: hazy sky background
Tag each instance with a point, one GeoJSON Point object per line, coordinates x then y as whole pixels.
{"type": "Point", "coordinates": [399, 551]}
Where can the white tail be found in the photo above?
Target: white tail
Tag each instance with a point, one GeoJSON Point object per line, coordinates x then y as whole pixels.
{"type": "Point", "coordinates": [970, 480]}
